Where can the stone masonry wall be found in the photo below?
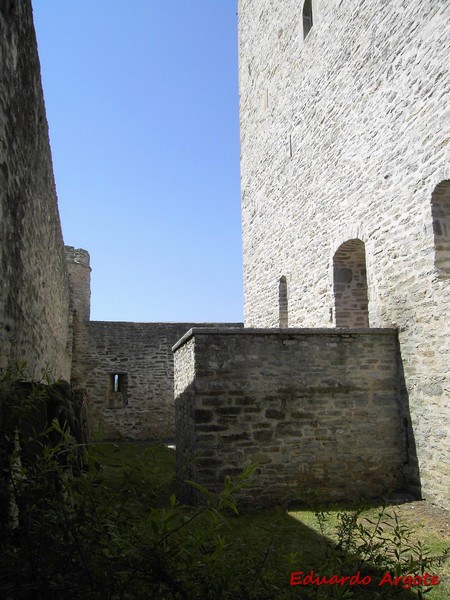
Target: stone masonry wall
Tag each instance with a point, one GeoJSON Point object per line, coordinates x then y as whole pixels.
{"type": "Point", "coordinates": [345, 135]}
{"type": "Point", "coordinates": [139, 405]}
{"type": "Point", "coordinates": [126, 369]}
{"type": "Point", "coordinates": [320, 411]}
{"type": "Point", "coordinates": [34, 297]}
{"type": "Point", "coordinates": [79, 270]}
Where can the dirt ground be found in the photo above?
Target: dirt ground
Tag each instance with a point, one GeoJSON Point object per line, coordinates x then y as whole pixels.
{"type": "Point", "coordinates": [426, 518]}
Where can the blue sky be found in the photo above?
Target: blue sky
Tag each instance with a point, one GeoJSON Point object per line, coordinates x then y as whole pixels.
{"type": "Point", "coordinates": [142, 104]}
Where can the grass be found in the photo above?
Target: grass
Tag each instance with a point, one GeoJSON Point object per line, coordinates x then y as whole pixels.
{"type": "Point", "coordinates": [261, 549]}
{"type": "Point", "coordinates": [149, 470]}
{"type": "Point", "coordinates": [413, 538]}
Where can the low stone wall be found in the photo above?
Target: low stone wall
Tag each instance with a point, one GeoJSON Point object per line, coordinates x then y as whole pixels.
{"type": "Point", "coordinates": [127, 372]}
{"type": "Point", "coordinates": [320, 411]}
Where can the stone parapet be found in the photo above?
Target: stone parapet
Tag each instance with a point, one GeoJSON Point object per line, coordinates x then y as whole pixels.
{"type": "Point", "coordinates": [321, 412]}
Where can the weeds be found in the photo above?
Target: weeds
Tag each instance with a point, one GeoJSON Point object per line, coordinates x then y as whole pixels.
{"type": "Point", "coordinates": [113, 528]}
{"type": "Point", "coordinates": [374, 555]}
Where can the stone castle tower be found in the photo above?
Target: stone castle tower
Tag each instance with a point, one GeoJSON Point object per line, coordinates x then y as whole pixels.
{"type": "Point", "coordinates": [345, 135]}
{"type": "Point", "coordinates": [340, 374]}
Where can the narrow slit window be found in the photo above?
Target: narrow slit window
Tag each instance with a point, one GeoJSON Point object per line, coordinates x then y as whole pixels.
{"type": "Point", "coordinates": [307, 17]}
{"type": "Point", "coordinates": [283, 302]}
{"type": "Point", "coordinates": [117, 390]}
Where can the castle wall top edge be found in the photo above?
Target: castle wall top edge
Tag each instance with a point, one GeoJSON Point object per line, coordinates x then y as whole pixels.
{"type": "Point", "coordinates": [276, 331]}
{"type": "Point", "coordinates": [77, 255]}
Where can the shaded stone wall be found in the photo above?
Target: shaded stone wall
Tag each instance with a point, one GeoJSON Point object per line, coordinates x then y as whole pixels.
{"type": "Point", "coordinates": [79, 270]}
{"type": "Point", "coordinates": [345, 135]}
{"type": "Point", "coordinates": [125, 369]}
{"type": "Point", "coordinates": [34, 299]}
{"type": "Point", "coordinates": [320, 411]}
{"type": "Point", "coordinates": [138, 404]}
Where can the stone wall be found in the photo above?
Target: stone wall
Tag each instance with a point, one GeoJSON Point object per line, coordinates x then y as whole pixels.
{"type": "Point", "coordinates": [34, 297]}
{"type": "Point", "coordinates": [79, 270]}
{"type": "Point", "coordinates": [126, 369]}
{"type": "Point", "coordinates": [345, 136]}
{"type": "Point", "coordinates": [322, 412]}
{"type": "Point", "coordinates": [127, 372]}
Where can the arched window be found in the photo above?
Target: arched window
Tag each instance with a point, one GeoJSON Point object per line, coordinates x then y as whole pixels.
{"type": "Point", "coordinates": [350, 285]}
{"type": "Point", "coordinates": [440, 212]}
{"type": "Point", "coordinates": [283, 302]}
{"type": "Point", "coordinates": [307, 14]}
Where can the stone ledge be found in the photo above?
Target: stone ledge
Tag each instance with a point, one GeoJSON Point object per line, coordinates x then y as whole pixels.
{"type": "Point", "coordinates": [276, 331]}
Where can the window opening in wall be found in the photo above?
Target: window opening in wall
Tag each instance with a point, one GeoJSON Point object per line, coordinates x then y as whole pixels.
{"type": "Point", "coordinates": [440, 212]}
{"type": "Point", "coordinates": [118, 390]}
{"type": "Point", "coordinates": [307, 17]}
{"type": "Point", "coordinates": [283, 302]}
{"type": "Point", "coordinates": [350, 285]}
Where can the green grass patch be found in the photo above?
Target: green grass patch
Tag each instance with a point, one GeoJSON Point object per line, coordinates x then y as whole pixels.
{"type": "Point", "coordinates": [148, 471]}
{"type": "Point", "coordinates": [117, 531]}
{"type": "Point", "coordinates": [259, 551]}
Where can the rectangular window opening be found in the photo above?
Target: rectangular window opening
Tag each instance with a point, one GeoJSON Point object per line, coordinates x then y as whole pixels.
{"type": "Point", "coordinates": [118, 384]}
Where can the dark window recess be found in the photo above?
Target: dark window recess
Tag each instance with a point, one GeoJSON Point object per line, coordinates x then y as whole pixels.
{"type": "Point", "coordinates": [440, 212]}
{"type": "Point", "coordinates": [307, 17]}
{"type": "Point", "coordinates": [283, 302]}
{"type": "Point", "coordinates": [118, 390]}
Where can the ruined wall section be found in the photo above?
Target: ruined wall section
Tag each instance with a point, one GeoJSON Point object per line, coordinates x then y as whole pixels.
{"type": "Point", "coordinates": [345, 135]}
{"type": "Point", "coordinates": [79, 271]}
{"type": "Point", "coordinates": [319, 411]}
{"type": "Point", "coordinates": [34, 297]}
{"type": "Point", "coordinates": [127, 372]}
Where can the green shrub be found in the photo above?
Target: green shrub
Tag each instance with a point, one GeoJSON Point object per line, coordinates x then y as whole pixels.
{"type": "Point", "coordinates": [115, 530]}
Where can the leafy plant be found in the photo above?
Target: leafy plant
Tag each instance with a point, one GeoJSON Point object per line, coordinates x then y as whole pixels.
{"type": "Point", "coordinates": [115, 530]}
{"type": "Point", "coordinates": [99, 532]}
{"type": "Point", "coordinates": [381, 548]}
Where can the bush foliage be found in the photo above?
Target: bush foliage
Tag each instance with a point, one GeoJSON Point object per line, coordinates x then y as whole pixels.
{"type": "Point", "coordinates": [112, 528]}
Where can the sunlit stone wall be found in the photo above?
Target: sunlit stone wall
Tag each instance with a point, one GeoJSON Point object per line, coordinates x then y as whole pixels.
{"type": "Point", "coordinates": [35, 321]}
{"type": "Point", "coordinates": [345, 135]}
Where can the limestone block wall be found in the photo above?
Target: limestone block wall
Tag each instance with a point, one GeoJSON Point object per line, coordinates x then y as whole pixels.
{"type": "Point", "coordinates": [34, 296]}
{"type": "Point", "coordinates": [126, 370]}
{"type": "Point", "coordinates": [345, 138]}
{"type": "Point", "coordinates": [79, 271]}
{"type": "Point", "coordinates": [320, 411]}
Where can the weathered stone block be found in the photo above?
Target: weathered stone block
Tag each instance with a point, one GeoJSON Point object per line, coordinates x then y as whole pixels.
{"type": "Point", "coordinates": [325, 437]}
{"type": "Point", "coordinates": [273, 413]}
{"type": "Point", "coordinates": [203, 416]}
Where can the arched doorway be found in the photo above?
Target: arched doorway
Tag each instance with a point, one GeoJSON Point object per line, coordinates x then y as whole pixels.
{"type": "Point", "coordinates": [440, 212]}
{"type": "Point", "coordinates": [350, 285]}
